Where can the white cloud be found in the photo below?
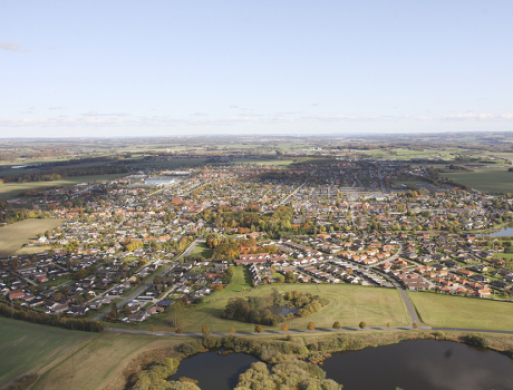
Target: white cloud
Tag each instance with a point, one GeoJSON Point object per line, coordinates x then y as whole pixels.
{"type": "Point", "coordinates": [11, 46]}
{"type": "Point", "coordinates": [95, 113]}
{"type": "Point", "coordinates": [470, 116]}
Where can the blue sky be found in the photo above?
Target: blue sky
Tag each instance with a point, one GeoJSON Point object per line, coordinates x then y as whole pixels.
{"type": "Point", "coordinates": [139, 68]}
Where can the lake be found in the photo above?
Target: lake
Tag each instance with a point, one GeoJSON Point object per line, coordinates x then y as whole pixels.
{"type": "Point", "coordinates": [214, 371]}
{"type": "Point", "coordinates": [506, 231]}
{"type": "Point", "coordinates": [410, 365]}
{"type": "Point", "coordinates": [421, 365]}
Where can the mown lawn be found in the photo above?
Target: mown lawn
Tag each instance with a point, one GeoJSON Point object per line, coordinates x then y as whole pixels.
{"type": "Point", "coordinates": [13, 236]}
{"type": "Point", "coordinates": [461, 312]}
{"type": "Point", "coordinates": [347, 304]}
{"type": "Point", "coordinates": [27, 347]}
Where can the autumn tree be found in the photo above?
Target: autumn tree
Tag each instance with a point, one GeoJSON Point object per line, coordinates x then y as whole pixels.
{"type": "Point", "coordinates": [205, 329]}
{"type": "Point", "coordinates": [258, 328]}
{"type": "Point", "coordinates": [285, 327]}
{"type": "Point", "coordinates": [362, 325]}
{"type": "Point", "coordinates": [310, 326]}
{"type": "Point", "coordinates": [336, 325]}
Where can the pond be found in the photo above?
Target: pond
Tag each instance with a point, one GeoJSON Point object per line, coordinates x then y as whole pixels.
{"type": "Point", "coordinates": [410, 365]}
{"type": "Point", "coordinates": [282, 310]}
{"type": "Point", "coordinates": [506, 231]}
{"type": "Point", "coordinates": [421, 365]}
{"type": "Point", "coordinates": [214, 371]}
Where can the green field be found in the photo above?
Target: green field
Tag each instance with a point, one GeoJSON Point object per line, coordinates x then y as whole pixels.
{"type": "Point", "coordinates": [11, 190]}
{"type": "Point", "coordinates": [202, 250]}
{"type": "Point", "coordinates": [486, 180]}
{"type": "Point", "coordinates": [460, 312]}
{"type": "Point", "coordinates": [27, 347]}
{"type": "Point", "coordinates": [348, 304]}
{"type": "Point", "coordinates": [13, 236]}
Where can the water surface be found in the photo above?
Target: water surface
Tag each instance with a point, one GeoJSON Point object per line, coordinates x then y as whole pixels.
{"type": "Point", "coordinates": [214, 371]}
{"type": "Point", "coordinates": [421, 365]}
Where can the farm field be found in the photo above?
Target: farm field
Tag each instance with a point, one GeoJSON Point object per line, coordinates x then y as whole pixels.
{"type": "Point", "coordinates": [101, 361]}
{"type": "Point", "coordinates": [27, 347]}
{"type": "Point", "coordinates": [13, 236]}
{"type": "Point", "coordinates": [11, 190]}
{"type": "Point", "coordinates": [486, 180]}
{"type": "Point", "coordinates": [460, 312]}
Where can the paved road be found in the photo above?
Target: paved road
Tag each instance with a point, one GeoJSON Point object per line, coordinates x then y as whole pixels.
{"type": "Point", "coordinates": [143, 287]}
{"type": "Point", "coordinates": [409, 306]}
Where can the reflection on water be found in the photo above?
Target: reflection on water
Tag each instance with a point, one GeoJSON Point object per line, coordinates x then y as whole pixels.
{"type": "Point", "coordinates": [282, 310]}
{"type": "Point", "coordinates": [506, 231]}
{"type": "Point", "coordinates": [214, 371]}
{"type": "Point", "coordinates": [421, 365]}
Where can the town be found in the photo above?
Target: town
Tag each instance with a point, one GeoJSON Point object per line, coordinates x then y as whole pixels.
{"type": "Point", "coordinates": [127, 249]}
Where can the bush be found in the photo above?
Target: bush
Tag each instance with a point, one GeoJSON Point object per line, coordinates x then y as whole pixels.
{"type": "Point", "coordinates": [362, 325]}
{"type": "Point", "coordinates": [232, 329]}
{"type": "Point", "coordinates": [218, 287]}
{"type": "Point", "coordinates": [389, 324]}
{"type": "Point", "coordinates": [477, 340]}
{"type": "Point", "coordinates": [336, 325]}
{"type": "Point", "coordinates": [415, 325]}
{"type": "Point", "coordinates": [285, 327]}
{"type": "Point", "coordinates": [258, 328]}
{"type": "Point", "coordinates": [205, 329]}
{"type": "Point", "coordinates": [178, 330]}
{"type": "Point", "coordinates": [310, 326]}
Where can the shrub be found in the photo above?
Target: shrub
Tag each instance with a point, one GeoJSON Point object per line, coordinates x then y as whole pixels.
{"type": "Point", "coordinates": [178, 330]}
{"type": "Point", "coordinates": [153, 328]}
{"type": "Point", "coordinates": [415, 325]}
{"type": "Point", "coordinates": [362, 325]}
{"type": "Point", "coordinates": [310, 326]}
{"type": "Point", "coordinates": [218, 287]}
{"type": "Point", "coordinates": [285, 327]}
{"type": "Point", "coordinates": [205, 329]}
{"type": "Point", "coordinates": [336, 325]}
{"type": "Point", "coordinates": [258, 328]}
{"type": "Point", "coordinates": [232, 329]}
{"type": "Point", "coordinates": [389, 324]}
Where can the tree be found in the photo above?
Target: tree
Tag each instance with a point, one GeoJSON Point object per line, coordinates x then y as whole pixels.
{"type": "Point", "coordinates": [232, 329]}
{"type": "Point", "coordinates": [152, 328]}
{"type": "Point", "coordinates": [178, 330]}
{"type": "Point", "coordinates": [310, 326]}
{"type": "Point", "coordinates": [336, 325]}
{"type": "Point", "coordinates": [258, 328]}
{"type": "Point", "coordinates": [362, 325]}
{"type": "Point", "coordinates": [389, 324]}
{"type": "Point", "coordinates": [218, 287]}
{"type": "Point", "coordinates": [285, 327]}
{"type": "Point", "coordinates": [415, 325]}
{"type": "Point", "coordinates": [205, 329]}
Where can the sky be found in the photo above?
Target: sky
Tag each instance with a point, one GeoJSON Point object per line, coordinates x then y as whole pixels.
{"type": "Point", "coordinates": [154, 68]}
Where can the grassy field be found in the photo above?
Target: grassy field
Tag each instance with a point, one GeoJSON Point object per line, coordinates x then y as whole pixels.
{"type": "Point", "coordinates": [460, 312]}
{"type": "Point", "coordinates": [27, 347]}
{"type": "Point", "coordinates": [13, 236]}
{"type": "Point", "coordinates": [347, 304]}
{"type": "Point", "coordinates": [486, 180]}
{"type": "Point", "coordinates": [101, 361]}
{"type": "Point", "coordinates": [11, 190]}
{"type": "Point", "coordinates": [202, 250]}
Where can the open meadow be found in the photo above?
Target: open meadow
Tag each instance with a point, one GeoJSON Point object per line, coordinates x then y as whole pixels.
{"type": "Point", "coordinates": [460, 312]}
{"type": "Point", "coordinates": [486, 180]}
{"type": "Point", "coordinates": [26, 347]}
{"type": "Point", "coordinates": [348, 304]}
{"type": "Point", "coordinates": [13, 236]}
